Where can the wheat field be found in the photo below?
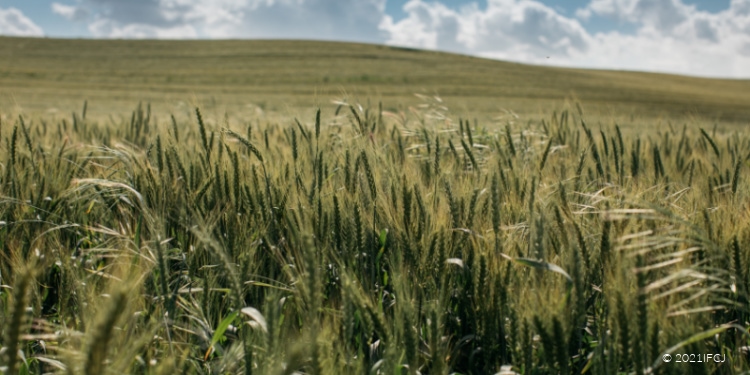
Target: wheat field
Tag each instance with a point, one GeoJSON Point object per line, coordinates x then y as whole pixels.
{"type": "Point", "coordinates": [360, 239]}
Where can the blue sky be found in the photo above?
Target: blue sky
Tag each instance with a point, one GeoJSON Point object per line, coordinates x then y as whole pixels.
{"type": "Point", "coordinates": [694, 37]}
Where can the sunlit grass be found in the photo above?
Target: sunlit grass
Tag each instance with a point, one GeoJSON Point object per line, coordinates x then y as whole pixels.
{"type": "Point", "coordinates": [367, 241]}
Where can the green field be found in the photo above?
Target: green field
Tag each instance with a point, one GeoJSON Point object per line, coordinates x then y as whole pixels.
{"type": "Point", "coordinates": [292, 78]}
{"type": "Point", "coordinates": [603, 226]}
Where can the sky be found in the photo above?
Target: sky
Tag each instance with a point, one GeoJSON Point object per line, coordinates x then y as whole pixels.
{"type": "Point", "coordinates": [709, 38]}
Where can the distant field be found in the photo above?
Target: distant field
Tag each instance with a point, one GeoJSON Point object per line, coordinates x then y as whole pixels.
{"type": "Point", "coordinates": [292, 77]}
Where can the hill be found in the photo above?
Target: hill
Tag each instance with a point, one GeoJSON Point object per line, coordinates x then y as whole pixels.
{"type": "Point", "coordinates": [47, 75]}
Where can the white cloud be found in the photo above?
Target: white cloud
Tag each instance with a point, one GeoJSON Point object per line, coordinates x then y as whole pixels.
{"type": "Point", "coordinates": [14, 23]}
{"type": "Point", "coordinates": [169, 19]}
{"type": "Point", "coordinates": [427, 26]}
{"type": "Point", "coordinates": [657, 53]}
{"type": "Point", "coordinates": [659, 14]}
{"type": "Point", "coordinates": [518, 30]}
{"type": "Point", "coordinates": [670, 35]}
{"type": "Point", "coordinates": [675, 37]}
{"type": "Point", "coordinates": [70, 12]}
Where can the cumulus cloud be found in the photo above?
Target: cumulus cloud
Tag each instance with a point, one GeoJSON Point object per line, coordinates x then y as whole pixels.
{"type": "Point", "coordinates": [512, 29]}
{"type": "Point", "coordinates": [675, 37]}
{"type": "Point", "coordinates": [674, 19]}
{"type": "Point", "coordinates": [70, 12]}
{"type": "Point", "coordinates": [663, 15]}
{"type": "Point", "coordinates": [132, 18]}
{"type": "Point", "coordinates": [670, 35]}
{"type": "Point", "coordinates": [14, 23]}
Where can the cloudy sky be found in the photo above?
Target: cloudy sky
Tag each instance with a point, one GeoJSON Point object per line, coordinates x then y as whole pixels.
{"type": "Point", "coordinates": [695, 37]}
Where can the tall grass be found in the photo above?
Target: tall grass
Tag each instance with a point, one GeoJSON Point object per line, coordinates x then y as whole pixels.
{"type": "Point", "coordinates": [533, 247]}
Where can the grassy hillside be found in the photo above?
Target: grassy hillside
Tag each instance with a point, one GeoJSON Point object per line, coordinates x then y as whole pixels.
{"type": "Point", "coordinates": [45, 75]}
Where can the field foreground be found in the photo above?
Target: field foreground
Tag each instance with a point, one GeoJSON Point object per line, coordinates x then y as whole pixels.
{"type": "Point", "coordinates": [358, 241]}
